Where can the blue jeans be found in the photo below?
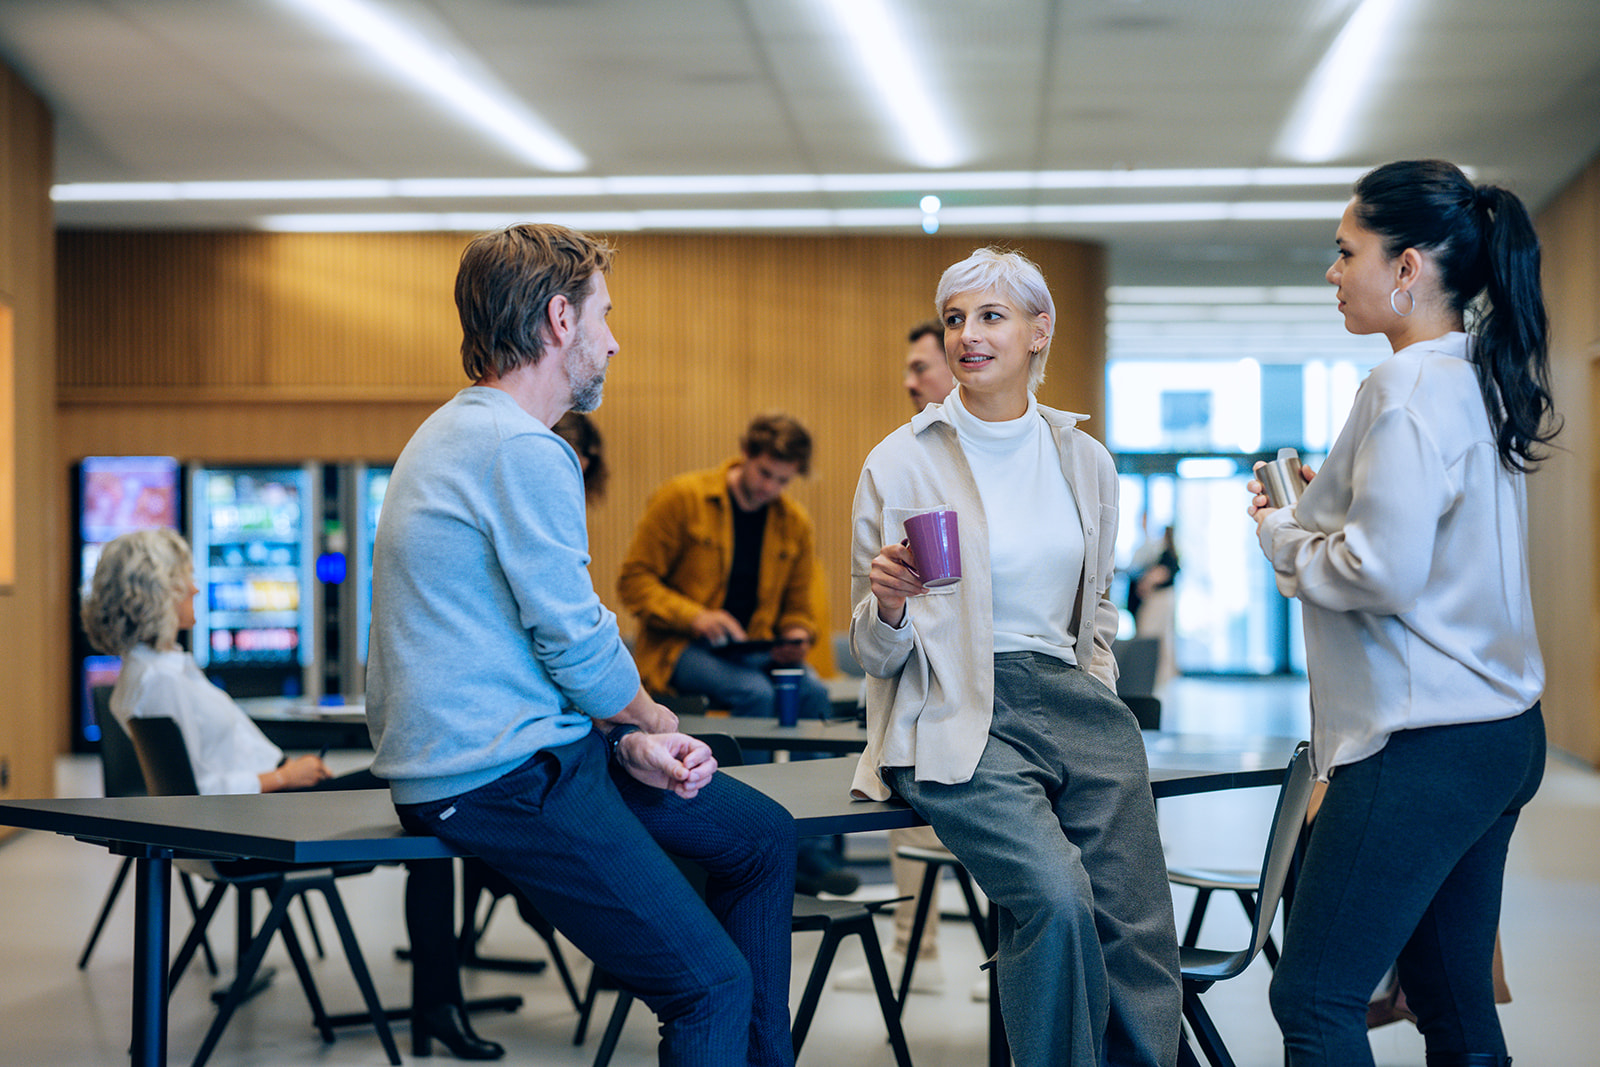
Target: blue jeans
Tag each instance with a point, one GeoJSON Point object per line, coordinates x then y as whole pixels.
{"type": "Point", "coordinates": [584, 843]}
{"type": "Point", "coordinates": [741, 684]}
{"type": "Point", "coordinates": [1404, 865]}
{"type": "Point", "coordinates": [1058, 826]}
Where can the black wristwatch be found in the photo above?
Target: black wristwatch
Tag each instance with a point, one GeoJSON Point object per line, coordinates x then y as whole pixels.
{"type": "Point", "coordinates": [614, 738]}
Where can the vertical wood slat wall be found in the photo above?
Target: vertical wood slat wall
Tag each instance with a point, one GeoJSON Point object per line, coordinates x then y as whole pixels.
{"type": "Point", "coordinates": [33, 604]}
{"type": "Point", "coordinates": [239, 347]}
{"type": "Point", "coordinates": [1564, 496]}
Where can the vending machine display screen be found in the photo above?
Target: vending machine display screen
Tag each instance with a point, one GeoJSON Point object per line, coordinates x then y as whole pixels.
{"type": "Point", "coordinates": [252, 530]}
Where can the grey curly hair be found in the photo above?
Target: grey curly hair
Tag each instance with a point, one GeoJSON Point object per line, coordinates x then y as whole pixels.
{"type": "Point", "coordinates": [134, 597]}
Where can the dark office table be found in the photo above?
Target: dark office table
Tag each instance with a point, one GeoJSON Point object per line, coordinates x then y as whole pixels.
{"type": "Point", "coordinates": [360, 826]}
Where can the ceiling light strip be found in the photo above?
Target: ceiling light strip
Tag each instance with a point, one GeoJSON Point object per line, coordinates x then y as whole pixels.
{"type": "Point", "coordinates": [898, 78]}
{"type": "Point", "coordinates": [709, 185]}
{"type": "Point", "coordinates": [473, 95]}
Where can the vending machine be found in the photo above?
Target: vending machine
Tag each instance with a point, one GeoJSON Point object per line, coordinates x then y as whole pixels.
{"type": "Point", "coordinates": [363, 490]}
{"type": "Point", "coordinates": [114, 495]}
{"type": "Point", "coordinates": [254, 532]}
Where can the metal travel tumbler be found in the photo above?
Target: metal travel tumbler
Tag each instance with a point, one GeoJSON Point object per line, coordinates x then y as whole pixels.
{"type": "Point", "coordinates": [1281, 480]}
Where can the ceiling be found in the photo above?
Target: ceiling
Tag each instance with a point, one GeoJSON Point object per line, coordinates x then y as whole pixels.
{"type": "Point", "coordinates": [234, 90]}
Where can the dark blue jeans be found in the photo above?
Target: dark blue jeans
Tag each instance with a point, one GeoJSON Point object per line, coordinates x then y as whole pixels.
{"type": "Point", "coordinates": [584, 843]}
{"type": "Point", "coordinates": [1404, 866]}
{"type": "Point", "coordinates": [741, 684]}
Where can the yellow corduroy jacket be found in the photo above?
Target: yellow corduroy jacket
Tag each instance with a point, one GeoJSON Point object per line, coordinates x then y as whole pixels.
{"type": "Point", "coordinates": [679, 562]}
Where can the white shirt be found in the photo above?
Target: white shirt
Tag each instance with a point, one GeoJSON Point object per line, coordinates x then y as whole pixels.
{"type": "Point", "coordinates": [228, 750]}
{"type": "Point", "coordinates": [1409, 551]}
{"type": "Point", "coordinates": [1035, 536]}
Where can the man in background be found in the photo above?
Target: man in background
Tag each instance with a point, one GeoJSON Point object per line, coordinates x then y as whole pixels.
{"type": "Point", "coordinates": [928, 379]}
{"type": "Point", "coordinates": [721, 575]}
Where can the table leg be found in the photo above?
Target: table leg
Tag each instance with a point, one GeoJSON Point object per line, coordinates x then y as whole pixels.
{"type": "Point", "coordinates": [153, 921]}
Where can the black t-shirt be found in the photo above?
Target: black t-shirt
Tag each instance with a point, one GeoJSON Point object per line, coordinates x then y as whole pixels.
{"type": "Point", "coordinates": [744, 578]}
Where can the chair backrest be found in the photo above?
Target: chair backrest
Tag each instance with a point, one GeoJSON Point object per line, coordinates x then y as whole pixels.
{"type": "Point", "coordinates": [163, 757]}
{"type": "Point", "coordinates": [1283, 841]}
{"type": "Point", "coordinates": [684, 703]}
{"type": "Point", "coordinates": [1146, 709]}
{"type": "Point", "coordinates": [725, 747]}
{"type": "Point", "coordinates": [1137, 660]}
{"type": "Point", "coordinates": [119, 763]}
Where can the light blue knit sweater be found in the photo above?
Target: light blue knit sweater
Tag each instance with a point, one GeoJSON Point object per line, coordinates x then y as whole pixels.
{"type": "Point", "coordinates": [488, 642]}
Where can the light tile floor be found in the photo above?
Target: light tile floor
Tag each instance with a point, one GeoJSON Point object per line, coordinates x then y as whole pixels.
{"type": "Point", "coordinates": [51, 1013]}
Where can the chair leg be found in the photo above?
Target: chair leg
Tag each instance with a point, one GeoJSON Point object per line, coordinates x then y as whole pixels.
{"type": "Point", "coordinates": [586, 1009]}
{"type": "Point", "coordinates": [819, 973]}
{"type": "Point", "coordinates": [919, 923]}
{"type": "Point", "coordinates": [249, 963]}
{"type": "Point", "coordinates": [613, 1034]}
{"type": "Point", "coordinates": [197, 933]}
{"type": "Point", "coordinates": [187, 882]}
{"type": "Point", "coordinates": [980, 924]}
{"type": "Point", "coordinates": [880, 980]}
{"type": "Point", "coordinates": [358, 967]}
{"type": "Point", "coordinates": [1205, 1031]}
{"type": "Point", "coordinates": [302, 970]}
{"type": "Point", "coordinates": [311, 926]}
{"type": "Point", "coordinates": [1197, 915]}
{"type": "Point", "coordinates": [105, 910]}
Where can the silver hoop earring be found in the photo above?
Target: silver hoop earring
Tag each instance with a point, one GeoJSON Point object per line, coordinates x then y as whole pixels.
{"type": "Point", "coordinates": [1410, 306]}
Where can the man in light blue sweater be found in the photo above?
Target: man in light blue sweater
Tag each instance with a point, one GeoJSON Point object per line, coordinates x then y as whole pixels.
{"type": "Point", "coordinates": [507, 714]}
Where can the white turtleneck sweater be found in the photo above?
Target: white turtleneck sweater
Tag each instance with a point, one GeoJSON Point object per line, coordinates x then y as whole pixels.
{"type": "Point", "coordinates": [1035, 534]}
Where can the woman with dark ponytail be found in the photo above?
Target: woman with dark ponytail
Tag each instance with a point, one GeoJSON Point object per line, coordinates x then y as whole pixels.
{"type": "Point", "coordinates": [1408, 551]}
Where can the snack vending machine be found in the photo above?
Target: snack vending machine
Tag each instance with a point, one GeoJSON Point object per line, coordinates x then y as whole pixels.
{"type": "Point", "coordinates": [254, 533]}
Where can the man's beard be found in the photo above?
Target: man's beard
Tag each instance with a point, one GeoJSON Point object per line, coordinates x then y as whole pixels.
{"type": "Point", "coordinates": [586, 377]}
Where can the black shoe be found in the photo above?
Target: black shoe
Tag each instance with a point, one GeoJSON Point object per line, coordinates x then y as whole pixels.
{"type": "Point", "coordinates": [448, 1023]}
{"type": "Point", "coordinates": [1466, 1059]}
{"type": "Point", "coordinates": [836, 881]}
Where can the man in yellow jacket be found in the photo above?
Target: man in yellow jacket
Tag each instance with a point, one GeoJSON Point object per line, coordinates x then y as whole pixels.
{"type": "Point", "coordinates": [721, 575]}
{"type": "Point", "coordinates": [723, 558]}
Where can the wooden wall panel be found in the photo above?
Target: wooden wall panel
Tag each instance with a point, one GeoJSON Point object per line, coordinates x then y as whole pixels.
{"type": "Point", "coordinates": [33, 607]}
{"type": "Point", "coordinates": [256, 347]}
{"type": "Point", "coordinates": [1564, 496]}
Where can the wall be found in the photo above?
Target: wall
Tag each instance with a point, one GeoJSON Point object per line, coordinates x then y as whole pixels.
{"type": "Point", "coordinates": [1564, 506]}
{"type": "Point", "coordinates": [33, 607]}
{"type": "Point", "coordinates": [258, 347]}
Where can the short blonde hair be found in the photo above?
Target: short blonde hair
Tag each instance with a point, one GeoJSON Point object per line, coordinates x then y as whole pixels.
{"type": "Point", "coordinates": [1012, 274]}
{"type": "Point", "coordinates": [134, 597]}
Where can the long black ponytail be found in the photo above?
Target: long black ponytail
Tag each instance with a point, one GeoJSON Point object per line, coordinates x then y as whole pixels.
{"type": "Point", "coordinates": [1484, 243]}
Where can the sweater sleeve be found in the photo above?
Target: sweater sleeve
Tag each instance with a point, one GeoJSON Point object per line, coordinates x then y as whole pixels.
{"type": "Point", "coordinates": [1379, 560]}
{"type": "Point", "coordinates": [541, 542]}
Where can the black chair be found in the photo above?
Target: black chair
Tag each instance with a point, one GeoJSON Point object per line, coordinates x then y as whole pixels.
{"type": "Point", "coordinates": [1137, 662]}
{"type": "Point", "coordinates": [1202, 968]}
{"type": "Point", "coordinates": [936, 860]}
{"type": "Point", "coordinates": [1146, 709]}
{"type": "Point", "coordinates": [834, 919]}
{"type": "Point", "coordinates": [478, 880]}
{"type": "Point", "coordinates": [168, 772]}
{"type": "Point", "coordinates": [119, 766]}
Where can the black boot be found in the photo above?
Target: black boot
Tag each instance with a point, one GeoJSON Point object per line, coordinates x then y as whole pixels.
{"type": "Point", "coordinates": [448, 1023]}
{"type": "Point", "coordinates": [1466, 1059]}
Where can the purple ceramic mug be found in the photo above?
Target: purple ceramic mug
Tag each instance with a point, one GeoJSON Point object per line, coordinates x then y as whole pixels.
{"type": "Point", "coordinates": [935, 547]}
